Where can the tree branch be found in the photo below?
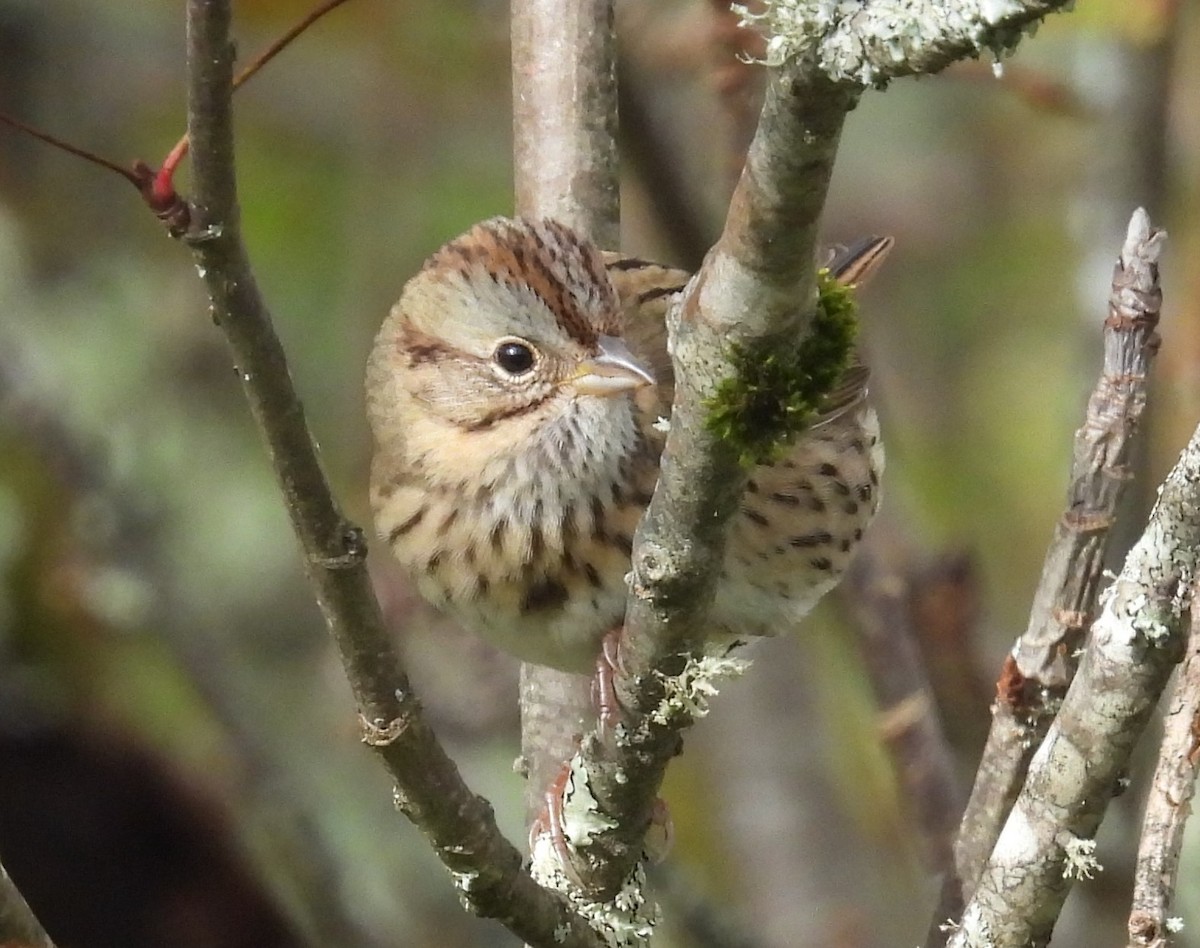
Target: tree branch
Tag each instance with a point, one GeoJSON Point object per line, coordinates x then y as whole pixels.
{"type": "Point", "coordinates": [458, 824]}
{"type": "Point", "coordinates": [1168, 807]}
{"type": "Point", "coordinates": [1042, 663]}
{"type": "Point", "coordinates": [1135, 642]}
{"type": "Point", "coordinates": [565, 167]}
{"type": "Point", "coordinates": [757, 284]}
{"type": "Point", "coordinates": [18, 925]}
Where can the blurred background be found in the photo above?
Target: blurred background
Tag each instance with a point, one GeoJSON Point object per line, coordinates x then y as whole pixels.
{"type": "Point", "coordinates": [179, 762]}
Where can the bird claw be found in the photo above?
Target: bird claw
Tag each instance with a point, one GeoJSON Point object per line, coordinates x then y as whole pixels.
{"type": "Point", "coordinates": [609, 710]}
{"type": "Point", "coordinates": [549, 822]}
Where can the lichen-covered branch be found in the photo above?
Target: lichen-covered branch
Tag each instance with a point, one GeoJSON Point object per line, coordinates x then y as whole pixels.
{"type": "Point", "coordinates": [18, 925]}
{"type": "Point", "coordinates": [1168, 806]}
{"type": "Point", "coordinates": [458, 824]}
{"type": "Point", "coordinates": [1036, 675]}
{"type": "Point", "coordinates": [872, 43]}
{"type": "Point", "coordinates": [1047, 841]}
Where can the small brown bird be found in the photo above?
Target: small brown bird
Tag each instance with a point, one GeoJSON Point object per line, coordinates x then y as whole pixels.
{"type": "Point", "coordinates": [515, 392]}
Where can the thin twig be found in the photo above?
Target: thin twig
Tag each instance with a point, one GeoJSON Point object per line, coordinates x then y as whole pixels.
{"type": "Point", "coordinates": [1042, 663]}
{"type": "Point", "coordinates": [1168, 807]}
{"type": "Point", "coordinates": [19, 927]}
{"type": "Point", "coordinates": [76, 150]}
{"type": "Point", "coordinates": [459, 825]}
{"type": "Point", "coordinates": [878, 598]}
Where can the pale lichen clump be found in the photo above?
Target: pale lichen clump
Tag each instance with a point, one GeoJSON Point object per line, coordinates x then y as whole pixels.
{"type": "Point", "coordinates": [851, 41]}
{"type": "Point", "coordinates": [688, 693]}
{"type": "Point", "coordinates": [627, 921]}
{"type": "Point", "coordinates": [1081, 861]}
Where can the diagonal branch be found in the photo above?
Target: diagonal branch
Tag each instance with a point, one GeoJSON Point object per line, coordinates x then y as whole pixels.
{"type": "Point", "coordinates": [458, 824]}
{"type": "Point", "coordinates": [18, 924]}
{"type": "Point", "coordinates": [1135, 643]}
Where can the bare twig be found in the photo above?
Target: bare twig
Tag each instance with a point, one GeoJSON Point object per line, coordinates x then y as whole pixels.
{"type": "Point", "coordinates": [18, 925]}
{"type": "Point", "coordinates": [1047, 840]}
{"type": "Point", "coordinates": [908, 719]}
{"type": "Point", "coordinates": [1042, 663]}
{"type": "Point", "coordinates": [459, 825]}
{"type": "Point", "coordinates": [1168, 807]}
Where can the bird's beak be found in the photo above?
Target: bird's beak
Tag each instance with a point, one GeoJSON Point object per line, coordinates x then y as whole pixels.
{"type": "Point", "coordinates": [611, 371]}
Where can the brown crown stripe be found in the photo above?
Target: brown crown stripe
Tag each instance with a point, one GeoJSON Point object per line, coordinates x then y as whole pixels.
{"type": "Point", "coordinates": [515, 252]}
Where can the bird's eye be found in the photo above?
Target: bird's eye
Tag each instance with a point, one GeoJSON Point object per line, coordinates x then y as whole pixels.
{"type": "Point", "coordinates": [515, 358]}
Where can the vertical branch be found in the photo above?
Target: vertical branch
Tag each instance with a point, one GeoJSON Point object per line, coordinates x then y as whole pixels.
{"type": "Point", "coordinates": [18, 925]}
{"type": "Point", "coordinates": [565, 114]}
{"type": "Point", "coordinates": [565, 163]}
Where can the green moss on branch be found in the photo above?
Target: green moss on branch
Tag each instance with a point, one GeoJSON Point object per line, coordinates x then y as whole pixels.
{"type": "Point", "coordinates": [777, 387]}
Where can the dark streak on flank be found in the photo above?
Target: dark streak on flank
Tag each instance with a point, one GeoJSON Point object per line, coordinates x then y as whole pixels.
{"type": "Point", "coordinates": [397, 532]}
{"type": "Point", "coordinates": [755, 516]}
{"type": "Point", "coordinates": [630, 263]}
{"type": "Point", "coordinates": [811, 539]}
{"type": "Point", "coordinates": [546, 594]}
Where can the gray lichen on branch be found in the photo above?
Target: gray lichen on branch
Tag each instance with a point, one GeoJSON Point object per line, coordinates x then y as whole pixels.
{"type": "Point", "coordinates": [872, 43]}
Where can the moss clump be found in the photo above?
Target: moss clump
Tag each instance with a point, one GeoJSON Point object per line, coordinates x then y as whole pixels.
{"type": "Point", "coordinates": [777, 388]}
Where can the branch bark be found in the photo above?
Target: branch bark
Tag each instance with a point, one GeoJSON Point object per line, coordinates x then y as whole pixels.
{"type": "Point", "coordinates": [18, 925]}
{"type": "Point", "coordinates": [459, 825]}
{"type": "Point", "coordinates": [1042, 663]}
{"type": "Point", "coordinates": [1168, 807]}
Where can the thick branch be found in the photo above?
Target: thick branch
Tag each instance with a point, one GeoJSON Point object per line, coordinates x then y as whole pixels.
{"type": "Point", "coordinates": [565, 114]}
{"type": "Point", "coordinates": [1168, 807]}
{"type": "Point", "coordinates": [1042, 663]}
{"type": "Point", "coordinates": [1135, 643]}
{"type": "Point", "coordinates": [459, 825]}
{"type": "Point", "coordinates": [18, 924]}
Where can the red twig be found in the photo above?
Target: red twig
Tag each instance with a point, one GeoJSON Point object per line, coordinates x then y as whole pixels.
{"type": "Point", "coordinates": [157, 186]}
